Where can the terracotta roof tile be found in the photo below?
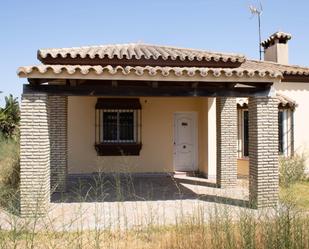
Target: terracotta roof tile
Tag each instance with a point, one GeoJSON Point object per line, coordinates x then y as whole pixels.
{"type": "Point", "coordinates": [139, 51]}
{"type": "Point", "coordinates": [283, 101]}
{"type": "Point", "coordinates": [250, 68]}
{"type": "Point", "coordinates": [272, 66]}
{"type": "Point", "coordinates": [276, 36]}
{"type": "Point", "coordinates": [27, 71]}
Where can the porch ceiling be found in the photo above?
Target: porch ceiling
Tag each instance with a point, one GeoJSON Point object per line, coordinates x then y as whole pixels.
{"type": "Point", "coordinates": [148, 88]}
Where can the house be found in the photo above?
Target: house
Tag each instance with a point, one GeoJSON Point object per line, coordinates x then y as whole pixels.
{"type": "Point", "coordinates": [139, 108]}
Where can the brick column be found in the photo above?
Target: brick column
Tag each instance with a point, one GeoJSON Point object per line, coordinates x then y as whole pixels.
{"type": "Point", "coordinates": [58, 106]}
{"type": "Point", "coordinates": [226, 142]}
{"type": "Point", "coordinates": [34, 155]}
{"type": "Point", "coordinates": [263, 152]}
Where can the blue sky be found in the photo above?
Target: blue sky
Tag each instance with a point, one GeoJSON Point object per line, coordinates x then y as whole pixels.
{"type": "Point", "coordinates": [220, 25]}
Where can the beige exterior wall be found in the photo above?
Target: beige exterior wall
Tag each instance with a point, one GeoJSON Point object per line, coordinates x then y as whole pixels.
{"type": "Point", "coordinates": [243, 167]}
{"type": "Point", "coordinates": [157, 136]}
{"type": "Point", "coordinates": [299, 92]}
{"type": "Point", "coordinates": [157, 125]}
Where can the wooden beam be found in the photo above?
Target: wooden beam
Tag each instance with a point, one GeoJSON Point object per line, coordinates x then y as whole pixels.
{"type": "Point", "coordinates": [165, 91]}
{"type": "Point", "coordinates": [154, 84]}
{"type": "Point", "coordinates": [194, 84]}
{"type": "Point", "coordinates": [37, 81]}
{"type": "Point", "coordinates": [114, 83]}
{"type": "Point", "coordinates": [295, 78]}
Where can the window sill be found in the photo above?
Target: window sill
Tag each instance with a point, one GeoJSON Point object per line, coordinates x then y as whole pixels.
{"type": "Point", "coordinates": [120, 149]}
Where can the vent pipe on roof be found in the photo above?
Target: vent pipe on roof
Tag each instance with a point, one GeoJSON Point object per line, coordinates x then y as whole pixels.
{"type": "Point", "coordinates": [276, 48]}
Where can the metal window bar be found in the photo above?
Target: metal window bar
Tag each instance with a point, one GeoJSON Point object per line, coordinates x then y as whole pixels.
{"type": "Point", "coordinates": [246, 133]}
{"type": "Point", "coordinates": [239, 150]}
{"type": "Point", "coordinates": [292, 132]}
{"type": "Point", "coordinates": [126, 126]}
{"type": "Point", "coordinates": [280, 131]}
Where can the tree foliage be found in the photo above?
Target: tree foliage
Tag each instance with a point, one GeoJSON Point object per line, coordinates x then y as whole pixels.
{"type": "Point", "coordinates": [9, 117]}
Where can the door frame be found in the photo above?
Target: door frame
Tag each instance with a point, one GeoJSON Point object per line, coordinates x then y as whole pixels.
{"type": "Point", "coordinates": [195, 138]}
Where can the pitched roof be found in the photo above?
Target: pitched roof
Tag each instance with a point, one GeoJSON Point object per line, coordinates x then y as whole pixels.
{"type": "Point", "coordinates": [283, 102]}
{"type": "Point", "coordinates": [250, 68]}
{"type": "Point", "coordinates": [273, 66]}
{"type": "Point", "coordinates": [137, 51]}
{"type": "Point", "coordinates": [290, 73]}
{"type": "Point", "coordinates": [202, 72]}
{"type": "Point", "coordinates": [145, 59]}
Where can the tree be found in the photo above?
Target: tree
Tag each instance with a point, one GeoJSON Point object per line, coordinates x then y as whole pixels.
{"type": "Point", "coordinates": [9, 117]}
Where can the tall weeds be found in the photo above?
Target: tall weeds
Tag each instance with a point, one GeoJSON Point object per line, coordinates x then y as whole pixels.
{"type": "Point", "coordinates": [210, 227]}
{"type": "Point", "coordinates": [145, 223]}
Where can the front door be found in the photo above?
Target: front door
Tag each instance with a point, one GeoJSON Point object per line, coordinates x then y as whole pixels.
{"type": "Point", "coordinates": [185, 141]}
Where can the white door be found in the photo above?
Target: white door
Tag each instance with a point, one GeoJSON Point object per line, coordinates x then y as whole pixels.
{"type": "Point", "coordinates": [185, 141]}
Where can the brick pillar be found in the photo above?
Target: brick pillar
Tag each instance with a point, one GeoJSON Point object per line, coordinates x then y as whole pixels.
{"type": "Point", "coordinates": [226, 142]}
{"type": "Point", "coordinates": [58, 106]}
{"type": "Point", "coordinates": [263, 152]}
{"type": "Point", "coordinates": [34, 155]}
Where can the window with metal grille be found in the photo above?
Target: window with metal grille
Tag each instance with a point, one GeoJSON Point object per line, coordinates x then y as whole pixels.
{"type": "Point", "coordinates": [285, 132]}
{"type": "Point", "coordinates": [243, 133]}
{"type": "Point", "coordinates": [246, 133]}
{"type": "Point", "coordinates": [118, 125]}
{"type": "Point", "coordinates": [281, 132]}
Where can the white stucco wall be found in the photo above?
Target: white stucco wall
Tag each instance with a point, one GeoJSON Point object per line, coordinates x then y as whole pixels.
{"type": "Point", "coordinates": [299, 92]}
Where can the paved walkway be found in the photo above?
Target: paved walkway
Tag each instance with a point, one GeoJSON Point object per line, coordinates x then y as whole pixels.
{"type": "Point", "coordinates": [140, 201]}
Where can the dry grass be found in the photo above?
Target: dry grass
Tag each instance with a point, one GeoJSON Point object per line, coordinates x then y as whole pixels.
{"type": "Point", "coordinates": [284, 227]}
{"type": "Point", "coordinates": [299, 194]}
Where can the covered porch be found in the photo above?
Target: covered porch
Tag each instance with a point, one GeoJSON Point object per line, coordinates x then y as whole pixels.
{"type": "Point", "coordinates": [61, 125]}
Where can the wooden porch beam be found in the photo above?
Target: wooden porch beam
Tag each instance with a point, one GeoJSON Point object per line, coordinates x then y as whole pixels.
{"type": "Point", "coordinates": [163, 91]}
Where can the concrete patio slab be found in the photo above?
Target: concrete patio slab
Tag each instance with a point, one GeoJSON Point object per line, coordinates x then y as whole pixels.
{"type": "Point", "coordinates": [155, 201]}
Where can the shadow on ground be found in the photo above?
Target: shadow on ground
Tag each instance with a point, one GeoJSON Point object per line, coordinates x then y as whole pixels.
{"type": "Point", "coordinates": [129, 188]}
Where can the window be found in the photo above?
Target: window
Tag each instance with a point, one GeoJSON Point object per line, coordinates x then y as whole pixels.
{"type": "Point", "coordinates": [281, 131]}
{"type": "Point", "coordinates": [243, 133]}
{"type": "Point", "coordinates": [246, 133]}
{"type": "Point", "coordinates": [118, 127]}
{"type": "Point", "coordinates": [285, 132]}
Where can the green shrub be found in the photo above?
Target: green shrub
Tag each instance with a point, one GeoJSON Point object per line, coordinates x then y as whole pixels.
{"type": "Point", "coordinates": [9, 117]}
{"type": "Point", "coordinates": [291, 169]}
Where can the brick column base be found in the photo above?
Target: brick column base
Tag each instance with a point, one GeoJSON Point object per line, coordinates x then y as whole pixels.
{"type": "Point", "coordinates": [226, 142]}
{"type": "Point", "coordinates": [263, 152]}
{"type": "Point", "coordinates": [34, 155]}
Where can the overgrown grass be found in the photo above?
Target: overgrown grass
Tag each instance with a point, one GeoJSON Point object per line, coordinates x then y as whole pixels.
{"type": "Point", "coordinates": [283, 227]}
{"type": "Point", "coordinates": [9, 162]}
{"type": "Point", "coordinates": [292, 169]}
{"type": "Point", "coordinates": [299, 193]}
{"type": "Point", "coordinates": [9, 173]}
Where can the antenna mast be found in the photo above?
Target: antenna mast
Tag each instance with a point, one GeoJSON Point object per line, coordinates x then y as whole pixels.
{"type": "Point", "coordinates": [258, 12]}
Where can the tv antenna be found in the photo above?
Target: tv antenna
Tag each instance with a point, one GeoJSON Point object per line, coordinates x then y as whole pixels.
{"type": "Point", "coordinates": [257, 11]}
